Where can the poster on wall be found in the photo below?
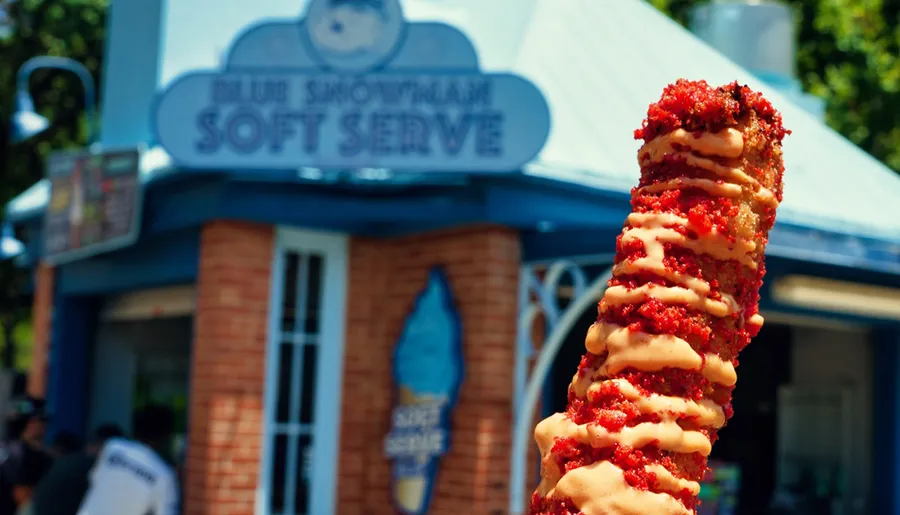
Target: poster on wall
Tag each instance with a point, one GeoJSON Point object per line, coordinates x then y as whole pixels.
{"type": "Point", "coordinates": [352, 85]}
{"type": "Point", "coordinates": [94, 203]}
{"type": "Point", "coordinates": [428, 372]}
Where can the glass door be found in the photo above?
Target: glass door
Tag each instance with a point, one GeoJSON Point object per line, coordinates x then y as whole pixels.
{"type": "Point", "coordinates": [305, 359]}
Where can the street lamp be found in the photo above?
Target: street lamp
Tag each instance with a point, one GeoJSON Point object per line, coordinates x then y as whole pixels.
{"type": "Point", "coordinates": [26, 122]}
{"type": "Point", "coordinates": [10, 247]}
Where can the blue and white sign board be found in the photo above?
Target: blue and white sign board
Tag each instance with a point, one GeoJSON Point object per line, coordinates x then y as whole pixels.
{"type": "Point", "coordinates": [95, 203]}
{"type": "Point", "coordinates": [428, 372]}
{"type": "Point", "coordinates": [352, 85]}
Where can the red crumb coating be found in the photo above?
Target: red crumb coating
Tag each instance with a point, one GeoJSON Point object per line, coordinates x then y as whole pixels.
{"type": "Point", "coordinates": [746, 216]}
{"type": "Point", "coordinates": [544, 506]}
{"type": "Point", "coordinates": [570, 455]}
{"type": "Point", "coordinates": [697, 106]}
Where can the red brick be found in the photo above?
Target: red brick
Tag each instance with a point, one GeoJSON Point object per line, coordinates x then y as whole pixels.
{"type": "Point", "coordinates": [482, 264]}
{"type": "Point", "coordinates": [42, 314]}
{"type": "Point", "coordinates": [228, 370]}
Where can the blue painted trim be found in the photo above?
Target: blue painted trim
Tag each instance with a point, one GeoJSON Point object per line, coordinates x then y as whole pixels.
{"type": "Point", "coordinates": [886, 421]}
{"type": "Point", "coordinates": [176, 203]}
{"type": "Point", "coordinates": [153, 263]}
{"type": "Point", "coordinates": [786, 241]}
{"type": "Point", "coordinates": [182, 206]}
{"type": "Point", "coordinates": [561, 244]}
{"type": "Point", "coordinates": [448, 304]}
{"type": "Point", "coordinates": [529, 206]}
{"type": "Point", "coordinates": [313, 207]}
{"type": "Point", "coordinates": [54, 364]}
{"type": "Point", "coordinates": [72, 333]}
{"type": "Point", "coordinates": [581, 221]}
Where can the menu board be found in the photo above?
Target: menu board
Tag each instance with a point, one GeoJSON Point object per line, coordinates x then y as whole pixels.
{"type": "Point", "coordinates": [94, 203]}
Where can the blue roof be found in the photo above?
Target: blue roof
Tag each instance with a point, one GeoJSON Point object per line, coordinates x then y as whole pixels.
{"type": "Point", "coordinates": [606, 63]}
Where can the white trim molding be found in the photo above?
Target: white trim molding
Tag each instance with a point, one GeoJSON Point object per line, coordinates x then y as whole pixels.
{"type": "Point", "coordinates": [329, 340]}
{"type": "Point", "coordinates": [540, 291]}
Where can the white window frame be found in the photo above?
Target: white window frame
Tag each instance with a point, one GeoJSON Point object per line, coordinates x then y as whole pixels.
{"type": "Point", "coordinates": [329, 377]}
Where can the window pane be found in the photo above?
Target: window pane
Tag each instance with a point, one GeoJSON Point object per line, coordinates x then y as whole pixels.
{"type": "Point", "coordinates": [285, 369]}
{"type": "Point", "coordinates": [304, 475]}
{"type": "Point", "coordinates": [313, 298]}
{"type": "Point", "coordinates": [279, 466]}
{"type": "Point", "coordinates": [289, 301]}
{"type": "Point", "coordinates": [310, 355]}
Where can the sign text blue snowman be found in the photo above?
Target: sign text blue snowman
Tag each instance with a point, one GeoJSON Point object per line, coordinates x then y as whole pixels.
{"type": "Point", "coordinates": [359, 87]}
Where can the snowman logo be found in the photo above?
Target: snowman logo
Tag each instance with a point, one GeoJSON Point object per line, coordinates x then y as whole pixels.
{"type": "Point", "coordinates": [354, 35]}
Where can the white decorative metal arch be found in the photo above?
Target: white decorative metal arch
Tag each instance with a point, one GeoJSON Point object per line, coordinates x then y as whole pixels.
{"type": "Point", "coordinates": [541, 296]}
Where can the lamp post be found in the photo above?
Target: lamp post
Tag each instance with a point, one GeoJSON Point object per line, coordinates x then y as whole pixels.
{"type": "Point", "coordinates": [26, 122]}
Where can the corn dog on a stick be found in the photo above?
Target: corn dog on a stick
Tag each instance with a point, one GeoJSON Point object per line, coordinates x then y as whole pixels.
{"type": "Point", "coordinates": [655, 385]}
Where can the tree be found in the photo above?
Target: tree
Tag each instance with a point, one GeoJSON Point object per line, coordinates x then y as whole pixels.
{"type": "Point", "coordinates": [848, 53]}
{"type": "Point", "coordinates": [69, 28]}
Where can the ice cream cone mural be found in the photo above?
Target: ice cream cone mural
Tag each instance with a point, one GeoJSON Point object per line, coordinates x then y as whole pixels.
{"type": "Point", "coordinates": [428, 371]}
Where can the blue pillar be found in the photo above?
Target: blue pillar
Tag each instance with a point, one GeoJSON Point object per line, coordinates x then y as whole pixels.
{"type": "Point", "coordinates": [886, 421]}
{"type": "Point", "coordinates": [131, 71]}
{"type": "Point", "coordinates": [74, 323]}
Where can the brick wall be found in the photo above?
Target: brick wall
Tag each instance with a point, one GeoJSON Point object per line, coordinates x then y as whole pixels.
{"type": "Point", "coordinates": [228, 370]}
{"type": "Point", "coordinates": [482, 264]}
{"type": "Point", "coordinates": [42, 315]}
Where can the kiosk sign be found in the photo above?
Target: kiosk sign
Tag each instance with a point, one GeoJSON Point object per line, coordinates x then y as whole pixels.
{"type": "Point", "coordinates": [364, 89]}
{"type": "Point", "coordinates": [94, 203]}
{"type": "Point", "coordinates": [417, 431]}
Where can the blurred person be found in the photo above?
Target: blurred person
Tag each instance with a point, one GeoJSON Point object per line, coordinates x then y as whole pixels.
{"type": "Point", "coordinates": [23, 459]}
{"type": "Point", "coordinates": [130, 476]}
{"type": "Point", "coordinates": [102, 435]}
{"type": "Point", "coordinates": [64, 443]}
{"type": "Point", "coordinates": [64, 486]}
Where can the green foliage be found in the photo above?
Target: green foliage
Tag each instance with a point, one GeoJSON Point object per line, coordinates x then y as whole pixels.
{"type": "Point", "coordinates": [22, 337]}
{"type": "Point", "coordinates": [68, 28]}
{"type": "Point", "coordinates": [848, 53]}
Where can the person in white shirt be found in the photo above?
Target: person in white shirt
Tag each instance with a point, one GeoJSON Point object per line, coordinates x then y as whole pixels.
{"type": "Point", "coordinates": [130, 476]}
